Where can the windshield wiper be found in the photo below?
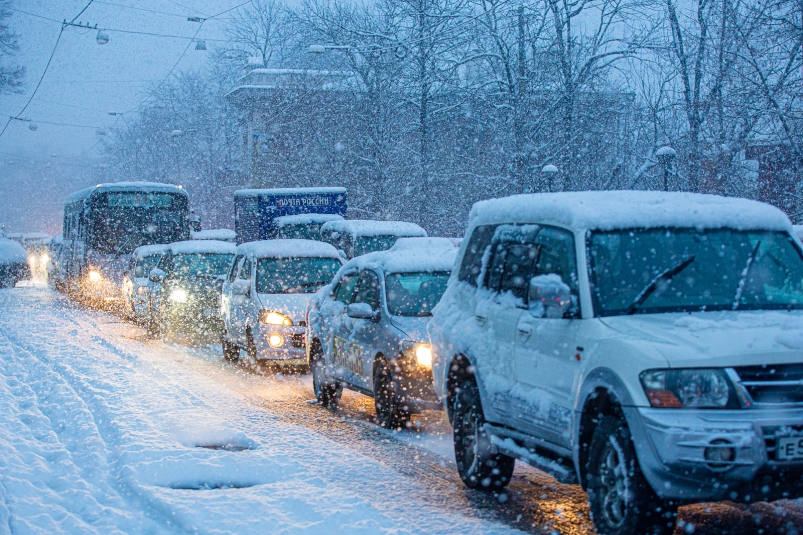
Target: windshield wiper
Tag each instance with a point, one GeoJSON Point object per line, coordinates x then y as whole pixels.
{"type": "Point", "coordinates": [652, 286]}
{"type": "Point", "coordinates": [743, 279]}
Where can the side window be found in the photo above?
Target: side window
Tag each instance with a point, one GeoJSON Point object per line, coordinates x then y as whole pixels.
{"type": "Point", "coordinates": [245, 270]}
{"type": "Point", "coordinates": [511, 267]}
{"type": "Point", "coordinates": [557, 255]}
{"type": "Point", "coordinates": [476, 248]}
{"type": "Point", "coordinates": [234, 266]}
{"type": "Point", "coordinates": [345, 288]}
{"type": "Point", "coordinates": [368, 290]}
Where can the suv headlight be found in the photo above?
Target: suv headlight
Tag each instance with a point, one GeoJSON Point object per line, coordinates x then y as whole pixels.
{"type": "Point", "coordinates": [270, 317]}
{"type": "Point", "coordinates": [692, 388]}
{"type": "Point", "coordinates": [419, 352]}
{"type": "Point", "coordinates": [179, 295]}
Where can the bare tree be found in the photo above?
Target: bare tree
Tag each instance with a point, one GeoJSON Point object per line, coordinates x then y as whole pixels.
{"type": "Point", "coordinates": [11, 76]}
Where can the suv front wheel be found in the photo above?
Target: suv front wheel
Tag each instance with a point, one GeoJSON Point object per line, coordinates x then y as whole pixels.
{"type": "Point", "coordinates": [327, 390]}
{"type": "Point", "coordinates": [622, 502]}
{"type": "Point", "coordinates": [479, 467]}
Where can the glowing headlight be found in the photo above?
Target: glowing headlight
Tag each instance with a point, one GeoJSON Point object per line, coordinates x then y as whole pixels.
{"type": "Point", "coordinates": [179, 295]}
{"type": "Point", "coordinates": [270, 317]}
{"type": "Point", "coordinates": [422, 353]}
{"type": "Point", "coordinates": [32, 260]}
{"type": "Point", "coordinates": [275, 340]}
{"type": "Point", "coordinates": [95, 276]}
{"type": "Point", "coordinates": [697, 388]}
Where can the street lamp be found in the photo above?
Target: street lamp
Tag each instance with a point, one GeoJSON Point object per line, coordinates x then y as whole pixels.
{"type": "Point", "coordinates": [665, 155]}
{"type": "Point", "coordinates": [102, 37]}
{"type": "Point", "coordinates": [550, 172]}
{"type": "Point", "coordinates": [200, 44]}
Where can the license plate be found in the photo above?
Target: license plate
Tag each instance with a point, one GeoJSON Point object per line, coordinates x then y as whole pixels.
{"type": "Point", "coordinates": [789, 448]}
{"type": "Point", "coordinates": [210, 312]}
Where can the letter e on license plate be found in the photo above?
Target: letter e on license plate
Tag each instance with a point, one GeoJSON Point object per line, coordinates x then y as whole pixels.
{"type": "Point", "coordinates": [789, 448]}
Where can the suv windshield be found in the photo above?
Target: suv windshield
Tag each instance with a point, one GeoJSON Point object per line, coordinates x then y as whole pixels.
{"type": "Point", "coordinates": [310, 231]}
{"type": "Point", "coordinates": [369, 244]}
{"type": "Point", "coordinates": [200, 265]}
{"type": "Point", "coordinates": [414, 294]}
{"type": "Point", "coordinates": [294, 275]}
{"type": "Point", "coordinates": [647, 271]}
{"type": "Point", "coordinates": [145, 264]}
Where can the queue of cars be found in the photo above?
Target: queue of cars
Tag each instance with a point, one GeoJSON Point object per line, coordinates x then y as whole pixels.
{"type": "Point", "coordinates": [643, 345]}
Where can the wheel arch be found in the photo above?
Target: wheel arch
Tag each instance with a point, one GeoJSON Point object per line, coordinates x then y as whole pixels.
{"type": "Point", "coordinates": [461, 367]}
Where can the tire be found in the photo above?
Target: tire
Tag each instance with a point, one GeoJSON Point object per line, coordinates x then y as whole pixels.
{"type": "Point", "coordinates": [327, 390]}
{"type": "Point", "coordinates": [478, 466]}
{"type": "Point", "coordinates": [250, 346]}
{"type": "Point", "coordinates": [390, 413]}
{"type": "Point", "coordinates": [621, 500]}
{"type": "Point", "coordinates": [231, 352]}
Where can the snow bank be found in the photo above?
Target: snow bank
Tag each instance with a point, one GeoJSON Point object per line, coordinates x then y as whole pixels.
{"type": "Point", "coordinates": [202, 246]}
{"type": "Point", "coordinates": [306, 219]}
{"type": "Point", "coordinates": [12, 252]}
{"type": "Point", "coordinates": [606, 210]}
{"type": "Point", "coordinates": [220, 234]}
{"type": "Point", "coordinates": [429, 259]}
{"type": "Point", "coordinates": [287, 249]}
{"type": "Point", "coordinates": [368, 227]}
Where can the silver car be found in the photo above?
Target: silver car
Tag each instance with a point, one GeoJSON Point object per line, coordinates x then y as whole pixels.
{"type": "Point", "coordinates": [135, 280]}
{"type": "Point", "coordinates": [367, 331]}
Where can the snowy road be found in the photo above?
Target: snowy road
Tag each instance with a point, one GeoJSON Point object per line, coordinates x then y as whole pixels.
{"type": "Point", "coordinates": [106, 431]}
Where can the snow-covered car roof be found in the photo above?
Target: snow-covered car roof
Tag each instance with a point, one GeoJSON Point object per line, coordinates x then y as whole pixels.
{"type": "Point", "coordinates": [149, 250]}
{"type": "Point", "coordinates": [12, 252]}
{"type": "Point", "coordinates": [285, 191]}
{"type": "Point", "coordinates": [306, 219]}
{"type": "Point", "coordinates": [287, 249]}
{"type": "Point", "coordinates": [202, 246]}
{"type": "Point", "coordinates": [368, 227]}
{"type": "Point", "coordinates": [608, 210]}
{"type": "Point", "coordinates": [124, 186]}
{"type": "Point", "coordinates": [798, 230]}
{"type": "Point", "coordinates": [222, 234]}
{"type": "Point", "coordinates": [429, 259]}
{"type": "Point", "coordinates": [408, 243]}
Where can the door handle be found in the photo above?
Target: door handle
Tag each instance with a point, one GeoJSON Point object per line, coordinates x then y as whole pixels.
{"type": "Point", "coordinates": [525, 329]}
{"type": "Point", "coordinates": [480, 318]}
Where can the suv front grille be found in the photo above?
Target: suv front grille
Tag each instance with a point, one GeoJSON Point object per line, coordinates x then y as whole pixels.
{"type": "Point", "coordinates": [775, 384]}
{"type": "Point", "coordinates": [298, 340]}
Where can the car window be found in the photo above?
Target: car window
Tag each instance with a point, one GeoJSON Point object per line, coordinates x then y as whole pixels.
{"type": "Point", "coordinates": [294, 275]}
{"type": "Point", "coordinates": [477, 245]}
{"type": "Point", "coordinates": [510, 269]}
{"type": "Point", "coordinates": [245, 270]}
{"type": "Point", "coordinates": [234, 266]}
{"type": "Point", "coordinates": [557, 255]}
{"type": "Point", "coordinates": [345, 289]}
{"type": "Point", "coordinates": [368, 289]}
{"type": "Point", "coordinates": [145, 264]}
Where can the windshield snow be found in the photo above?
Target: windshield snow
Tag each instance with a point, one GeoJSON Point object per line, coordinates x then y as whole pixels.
{"type": "Point", "coordinates": [369, 244]}
{"type": "Point", "coordinates": [671, 270]}
{"type": "Point", "coordinates": [294, 275]}
{"type": "Point", "coordinates": [414, 294]}
{"type": "Point", "coordinates": [200, 265]}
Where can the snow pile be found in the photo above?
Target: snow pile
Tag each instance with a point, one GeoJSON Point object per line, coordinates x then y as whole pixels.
{"type": "Point", "coordinates": [306, 219]}
{"type": "Point", "coordinates": [220, 234]}
{"type": "Point", "coordinates": [368, 227]}
{"type": "Point", "coordinates": [202, 247]}
{"type": "Point", "coordinates": [12, 252]}
{"type": "Point", "coordinates": [606, 210]}
{"type": "Point", "coordinates": [287, 249]}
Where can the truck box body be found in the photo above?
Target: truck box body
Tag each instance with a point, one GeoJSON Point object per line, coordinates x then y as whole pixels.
{"type": "Point", "coordinates": [256, 210]}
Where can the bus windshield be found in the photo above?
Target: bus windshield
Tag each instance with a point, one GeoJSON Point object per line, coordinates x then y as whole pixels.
{"type": "Point", "coordinates": [123, 221]}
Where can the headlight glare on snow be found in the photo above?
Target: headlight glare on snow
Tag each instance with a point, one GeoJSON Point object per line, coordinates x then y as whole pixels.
{"type": "Point", "coordinates": [179, 295]}
{"type": "Point", "coordinates": [269, 317]}
{"type": "Point", "coordinates": [692, 388]}
{"type": "Point", "coordinates": [418, 351]}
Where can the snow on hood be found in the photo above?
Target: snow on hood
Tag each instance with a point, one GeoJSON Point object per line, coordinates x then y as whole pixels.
{"type": "Point", "coordinates": [288, 249]}
{"type": "Point", "coordinates": [149, 250]}
{"type": "Point", "coordinates": [429, 259]}
{"type": "Point", "coordinates": [729, 338]}
{"type": "Point", "coordinates": [292, 305]}
{"type": "Point", "coordinates": [306, 219]}
{"type": "Point", "coordinates": [11, 252]}
{"type": "Point", "coordinates": [369, 227]}
{"type": "Point", "coordinates": [607, 210]}
{"type": "Point", "coordinates": [415, 327]}
{"type": "Point", "coordinates": [202, 247]}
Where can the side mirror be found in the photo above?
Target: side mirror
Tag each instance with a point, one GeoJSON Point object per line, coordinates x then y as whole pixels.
{"type": "Point", "coordinates": [156, 275]}
{"type": "Point", "coordinates": [362, 311]}
{"type": "Point", "coordinates": [550, 297]}
{"type": "Point", "coordinates": [241, 287]}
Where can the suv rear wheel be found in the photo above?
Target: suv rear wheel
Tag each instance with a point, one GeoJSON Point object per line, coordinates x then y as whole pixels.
{"type": "Point", "coordinates": [390, 412]}
{"type": "Point", "coordinates": [327, 390]}
{"type": "Point", "coordinates": [231, 352]}
{"type": "Point", "coordinates": [479, 467]}
{"type": "Point", "coordinates": [622, 502]}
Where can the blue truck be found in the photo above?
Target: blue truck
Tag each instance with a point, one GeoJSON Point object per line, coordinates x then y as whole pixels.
{"type": "Point", "coordinates": [256, 210]}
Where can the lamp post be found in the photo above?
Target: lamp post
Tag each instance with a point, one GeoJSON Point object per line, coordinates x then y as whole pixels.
{"type": "Point", "coordinates": [665, 155]}
{"type": "Point", "coordinates": [550, 172]}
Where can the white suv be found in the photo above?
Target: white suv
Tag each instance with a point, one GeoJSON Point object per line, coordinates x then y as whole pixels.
{"type": "Point", "coordinates": [645, 345]}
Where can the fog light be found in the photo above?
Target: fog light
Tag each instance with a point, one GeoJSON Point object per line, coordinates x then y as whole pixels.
{"type": "Point", "coordinates": [720, 454]}
{"type": "Point", "coordinates": [94, 276]}
{"type": "Point", "coordinates": [275, 340]}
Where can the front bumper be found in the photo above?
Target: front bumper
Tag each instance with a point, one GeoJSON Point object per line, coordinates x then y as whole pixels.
{"type": "Point", "coordinates": [415, 388]}
{"type": "Point", "coordinates": [671, 445]}
{"type": "Point", "coordinates": [292, 351]}
{"type": "Point", "coordinates": [195, 318]}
